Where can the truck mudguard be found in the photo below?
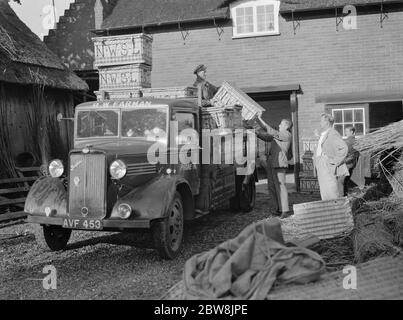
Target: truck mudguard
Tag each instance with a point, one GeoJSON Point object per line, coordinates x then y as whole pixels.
{"type": "Point", "coordinates": [152, 200]}
{"type": "Point", "coordinates": [47, 196]}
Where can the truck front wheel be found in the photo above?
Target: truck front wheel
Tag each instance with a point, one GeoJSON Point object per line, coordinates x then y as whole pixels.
{"type": "Point", "coordinates": [54, 238]}
{"type": "Point", "coordinates": [168, 233]}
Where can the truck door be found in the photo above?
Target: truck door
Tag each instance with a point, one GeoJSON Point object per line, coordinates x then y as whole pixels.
{"type": "Point", "coordinates": [190, 171]}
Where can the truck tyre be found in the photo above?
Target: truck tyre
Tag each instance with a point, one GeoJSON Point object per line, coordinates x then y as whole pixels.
{"type": "Point", "coordinates": [168, 233]}
{"type": "Point", "coordinates": [247, 196]}
{"type": "Point", "coordinates": [54, 238]}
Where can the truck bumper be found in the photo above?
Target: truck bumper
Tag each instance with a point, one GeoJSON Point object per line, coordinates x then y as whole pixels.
{"type": "Point", "coordinates": [107, 224]}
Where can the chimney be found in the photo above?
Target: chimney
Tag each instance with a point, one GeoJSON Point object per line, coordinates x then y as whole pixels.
{"type": "Point", "coordinates": [99, 13]}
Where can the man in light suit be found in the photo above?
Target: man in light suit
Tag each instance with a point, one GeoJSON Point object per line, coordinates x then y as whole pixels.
{"type": "Point", "coordinates": [277, 162]}
{"type": "Point", "coordinates": [329, 159]}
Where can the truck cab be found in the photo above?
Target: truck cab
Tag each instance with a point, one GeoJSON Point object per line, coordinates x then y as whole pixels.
{"type": "Point", "coordinates": [126, 171]}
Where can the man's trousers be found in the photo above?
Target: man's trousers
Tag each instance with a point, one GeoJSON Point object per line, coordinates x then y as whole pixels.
{"type": "Point", "coordinates": [327, 179]}
{"type": "Point", "coordinates": [276, 179]}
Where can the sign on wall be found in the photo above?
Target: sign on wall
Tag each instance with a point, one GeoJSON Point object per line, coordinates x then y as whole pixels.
{"type": "Point", "coordinates": [125, 77]}
{"type": "Point", "coordinates": [309, 184]}
{"type": "Point", "coordinates": [121, 50]}
{"type": "Point", "coordinates": [309, 144]}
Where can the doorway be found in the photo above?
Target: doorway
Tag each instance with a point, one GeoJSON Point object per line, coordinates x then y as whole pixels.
{"type": "Point", "coordinates": [277, 107]}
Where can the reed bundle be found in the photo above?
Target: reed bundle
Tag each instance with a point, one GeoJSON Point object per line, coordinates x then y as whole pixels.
{"type": "Point", "coordinates": [7, 43]}
{"type": "Point", "coordinates": [381, 140]}
{"type": "Point", "coordinates": [378, 228]}
{"type": "Point", "coordinates": [6, 161]}
{"type": "Point", "coordinates": [337, 251]}
{"type": "Point", "coordinates": [394, 174]}
{"type": "Point", "coordinates": [37, 123]}
{"type": "Point", "coordinates": [371, 238]}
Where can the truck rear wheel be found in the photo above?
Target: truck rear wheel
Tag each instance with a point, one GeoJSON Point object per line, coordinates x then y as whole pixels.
{"type": "Point", "coordinates": [54, 238]}
{"type": "Point", "coordinates": [168, 233]}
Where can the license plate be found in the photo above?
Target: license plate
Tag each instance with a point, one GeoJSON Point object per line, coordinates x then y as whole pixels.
{"type": "Point", "coordinates": [86, 224]}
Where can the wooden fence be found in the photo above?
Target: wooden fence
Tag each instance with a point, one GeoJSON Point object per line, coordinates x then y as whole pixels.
{"type": "Point", "coordinates": [13, 192]}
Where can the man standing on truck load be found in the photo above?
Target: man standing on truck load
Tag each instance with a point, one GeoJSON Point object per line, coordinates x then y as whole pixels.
{"type": "Point", "coordinates": [207, 89]}
{"type": "Point", "coordinates": [277, 161]}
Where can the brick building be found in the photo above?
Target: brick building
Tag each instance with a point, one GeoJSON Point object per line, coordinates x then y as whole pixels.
{"type": "Point", "coordinates": [304, 56]}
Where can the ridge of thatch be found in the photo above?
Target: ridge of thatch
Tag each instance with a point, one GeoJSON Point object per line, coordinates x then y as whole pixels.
{"type": "Point", "coordinates": [25, 59]}
{"type": "Point", "coordinates": [20, 44]}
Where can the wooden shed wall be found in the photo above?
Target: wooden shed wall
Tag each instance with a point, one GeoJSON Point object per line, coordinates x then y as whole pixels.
{"type": "Point", "coordinates": [28, 122]}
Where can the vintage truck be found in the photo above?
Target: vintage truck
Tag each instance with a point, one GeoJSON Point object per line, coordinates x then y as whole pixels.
{"type": "Point", "coordinates": [108, 183]}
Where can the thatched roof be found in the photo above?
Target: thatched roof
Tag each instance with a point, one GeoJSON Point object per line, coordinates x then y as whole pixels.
{"type": "Point", "coordinates": [25, 59]}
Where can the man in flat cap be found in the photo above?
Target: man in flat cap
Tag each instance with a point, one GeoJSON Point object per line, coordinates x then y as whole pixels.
{"type": "Point", "coordinates": [207, 89]}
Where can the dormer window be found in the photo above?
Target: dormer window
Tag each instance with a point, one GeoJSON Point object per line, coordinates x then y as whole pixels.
{"type": "Point", "coordinates": [253, 18]}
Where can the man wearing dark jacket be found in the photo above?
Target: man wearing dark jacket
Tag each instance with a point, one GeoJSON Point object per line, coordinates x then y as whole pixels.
{"type": "Point", "coordinates": [207, 89]}
{"type": "Point", "coordinates": [352, 156]}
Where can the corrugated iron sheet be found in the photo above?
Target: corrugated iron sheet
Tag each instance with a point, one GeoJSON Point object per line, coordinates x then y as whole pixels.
{"type": "Point", "coordinates": [324, 219]}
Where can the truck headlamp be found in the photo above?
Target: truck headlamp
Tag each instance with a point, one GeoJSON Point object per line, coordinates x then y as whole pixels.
{"type": "Point", "coordinates": [56, 168]}
{"type": "Point", "coordinates": [124, 210]}
{"type": "Point", "coordinates": [117, 169]}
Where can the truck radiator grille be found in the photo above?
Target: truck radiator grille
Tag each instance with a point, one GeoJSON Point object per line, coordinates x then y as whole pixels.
{"type": "Point", "coordinates": [87, 185]}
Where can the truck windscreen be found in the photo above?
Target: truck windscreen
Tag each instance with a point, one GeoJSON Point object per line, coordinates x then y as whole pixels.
{"type": "Point", "coordinates": [97, 123]}
{"type": "Point", "coordinates": [145, 123]}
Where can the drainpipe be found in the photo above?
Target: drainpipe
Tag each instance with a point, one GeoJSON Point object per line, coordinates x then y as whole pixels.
{"type": "Point", "coordinates": [295, 137]}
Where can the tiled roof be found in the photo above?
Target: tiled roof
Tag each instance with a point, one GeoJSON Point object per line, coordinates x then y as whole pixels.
{"type": "Point", "coordinates": [310, 5]}
{"type": "Point", "coordinates": [129, 13]}
{"type": "Point", "coordinates": [142, 12]}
